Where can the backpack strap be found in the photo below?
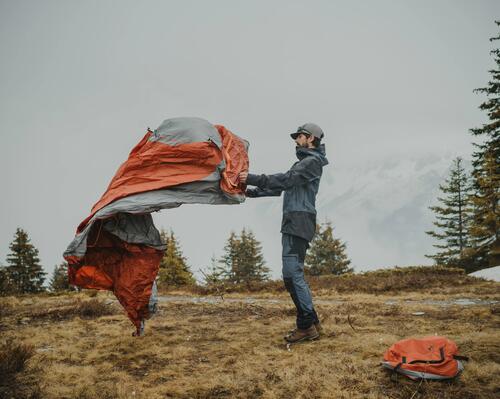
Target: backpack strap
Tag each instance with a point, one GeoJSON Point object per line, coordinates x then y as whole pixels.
{"type": "Point", "coordinates": [394, 375]}
{"type": "Point", "coordinates": [458, 357]}
{"type": "Point", "coordinates": [441, 352]}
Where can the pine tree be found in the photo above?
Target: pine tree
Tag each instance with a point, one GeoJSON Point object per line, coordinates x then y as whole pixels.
{"type": "Point", "coordinates": [173, 267]}
{"type": "Point", "coordinates": [327, 255]}
{"type": "Point", "coordinates": [243, 261]}
{"type": "Point", "coordinates": [214, 273]}
{"type": "Point", "coordinates": [490, 130]}
{"type": "Point", "coordinates": [252, 264]}
{"type": "Point", "coordinates": [229, 262]}
{"type": "Point", "coordinates": [59, 280]}
{"type": "Point", "coordinates": [486, 163]}
{"type": "Point", "coordinates": [6, 285]}
{"type": "Point", "coordinates": [452, 219]}
{"type": "Point", "coordinates": [23, 265]}
{"type": "Point", "coordinates": [485, 224]}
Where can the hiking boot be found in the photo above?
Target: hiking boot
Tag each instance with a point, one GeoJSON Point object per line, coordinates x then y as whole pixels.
{"type": "Point", "coordinates": [319, 329]}
{"type": "Point", "coordinates": [299, 335]}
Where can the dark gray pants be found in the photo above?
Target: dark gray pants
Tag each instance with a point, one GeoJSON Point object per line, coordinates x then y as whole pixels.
{"type": "Point", "coordinates": [293, 255]}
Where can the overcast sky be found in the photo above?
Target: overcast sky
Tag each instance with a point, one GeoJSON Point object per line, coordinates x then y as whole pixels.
{"type": "Point", "coordinates": [82, 80]}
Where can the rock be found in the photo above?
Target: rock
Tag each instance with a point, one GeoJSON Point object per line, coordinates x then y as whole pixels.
{"type": "Point", "coordinates": [45, 349]}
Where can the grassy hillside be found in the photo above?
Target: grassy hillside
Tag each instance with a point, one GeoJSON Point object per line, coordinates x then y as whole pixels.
{"type": "Point", "coordinates": [397, 281]}
{"type": "Point", "coordinates": [79, 345]}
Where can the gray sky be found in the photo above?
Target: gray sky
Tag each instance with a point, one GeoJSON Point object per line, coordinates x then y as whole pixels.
{"type": "Point", "coordinates": [390, 82]}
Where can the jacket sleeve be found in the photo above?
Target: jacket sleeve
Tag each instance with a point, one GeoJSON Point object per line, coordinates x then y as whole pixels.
{"type": "Point", "coordinates": [302, 172]}
{"type": "Point", "coordinates": [258, 192]}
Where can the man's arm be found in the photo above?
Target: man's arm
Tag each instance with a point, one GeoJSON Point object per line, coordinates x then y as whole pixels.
{"type": "Point", "coordinates": [258, 192]}
{"type": "Point", "coordinates": [303, 172]}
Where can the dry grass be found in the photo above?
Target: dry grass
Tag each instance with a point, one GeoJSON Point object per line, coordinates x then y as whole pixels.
{"type": "Point", "coordinates": [435, 280]}
{"type": "Point", "coordinates": [17, 380]}
{"type": "Point", "coordinates": [92, 309]}
{"type": "Point", "coordinates": [60, 308]}
{"type": "Point", "coordinates": [236, 350]}
{"type": "Point", "coordinates": [397, 281]}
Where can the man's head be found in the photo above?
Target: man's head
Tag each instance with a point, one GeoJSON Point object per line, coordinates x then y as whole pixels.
{"type": "Point", "coordinates": [308, 135]}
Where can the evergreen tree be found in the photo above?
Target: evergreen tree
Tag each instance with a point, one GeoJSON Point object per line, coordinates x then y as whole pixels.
{"type": "Point", "coordinates": [23, 265]}
{"type": "Point", "coordinates": [243, 261]}
{"type": "Point", "coordinates": [484, 228]}
{"type": "Point", "coordinates": [59, 280]}
{"type": "Point", "coordinates": [214, 273]}
{"type": "Point", "coordinates": [229, 262]}
{"type": "Point", "coordinates": [490, 131]}
{"type": "Point", "coordinates": [6, 286]}
{"type": "Point", "coordinates": [486, 162]}
{"type": "Point", "coordinates": [327, 255]}
{"type": "Point", "coordinates": [252, 264]}
{"type": "Point", "coordinates": [452, 219]}
{"type": "Point", "coordinates": [173, 267]}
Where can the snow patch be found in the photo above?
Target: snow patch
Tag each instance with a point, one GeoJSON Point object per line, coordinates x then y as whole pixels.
{"type": "Point", "coordinates": [492, 273]}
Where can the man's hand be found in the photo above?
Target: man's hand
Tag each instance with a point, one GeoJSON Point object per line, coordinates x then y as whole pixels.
{"type": "Point", "coordinates": [243, 177]}
{"type": "Point", "coordinates": [251, 192]}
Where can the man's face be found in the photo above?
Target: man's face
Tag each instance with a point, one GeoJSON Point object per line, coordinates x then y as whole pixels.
{"type": "Point", "coordinates": [304, 140]}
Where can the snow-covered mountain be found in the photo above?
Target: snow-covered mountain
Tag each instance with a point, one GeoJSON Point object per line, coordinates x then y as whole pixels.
{"type": "Point", "coordinates": [380, 208]}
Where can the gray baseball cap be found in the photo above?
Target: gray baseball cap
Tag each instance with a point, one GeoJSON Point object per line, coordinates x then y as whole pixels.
{"type": "Point", "coordinates": [308, 128]}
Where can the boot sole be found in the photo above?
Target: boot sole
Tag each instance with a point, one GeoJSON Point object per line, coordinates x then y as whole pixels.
{"type": "Point", "coordinates": [289, 334]}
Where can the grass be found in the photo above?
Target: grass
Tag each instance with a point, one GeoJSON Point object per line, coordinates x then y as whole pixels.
{"type": "Point", "coordinates": [397, 281]}
{"type": "Point", "coordinates": [16, 380]}
{"type": "Point", "coordinates": [59, 308]}
{"type": "Point", "coordinates": [235, 349]}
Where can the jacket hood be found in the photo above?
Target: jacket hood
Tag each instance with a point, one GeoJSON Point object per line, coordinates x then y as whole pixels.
{"type": "Point", "coordinates": [319, 152]}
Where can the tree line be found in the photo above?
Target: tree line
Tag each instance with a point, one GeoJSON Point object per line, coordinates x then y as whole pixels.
{"type": "Point", "coordinates": [468, 216]}
{"type": "Point", "coordinates": [242, 262]}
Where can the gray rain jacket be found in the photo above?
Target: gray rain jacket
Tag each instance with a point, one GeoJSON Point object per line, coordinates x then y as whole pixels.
{"type": "Point", "coordinates": [300, 184]}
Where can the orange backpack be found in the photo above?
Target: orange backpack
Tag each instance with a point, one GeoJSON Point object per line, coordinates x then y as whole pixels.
{"type": "Point", "coordinates": [434, 358]}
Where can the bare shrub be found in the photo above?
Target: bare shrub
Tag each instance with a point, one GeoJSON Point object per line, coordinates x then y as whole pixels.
{"type": "Point", "coordinates": [13, 363]}
{"type": "Point", "coordinates": [93, 309]}
{"type": "Point", "coordinates": [13, 359]}
{"type": "Point", "coordinates": [6, 307]}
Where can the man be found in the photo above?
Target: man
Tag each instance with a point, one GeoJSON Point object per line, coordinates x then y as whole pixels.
{"type": "Point", "coordinates": [298, 226]}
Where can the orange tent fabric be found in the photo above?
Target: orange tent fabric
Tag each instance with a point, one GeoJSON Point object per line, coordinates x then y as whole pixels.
{"type": "Point", "coordinates": [117, 247]}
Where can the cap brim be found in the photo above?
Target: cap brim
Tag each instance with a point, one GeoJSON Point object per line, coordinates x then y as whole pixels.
{"type": "Point", "coordinates": [294, 135]}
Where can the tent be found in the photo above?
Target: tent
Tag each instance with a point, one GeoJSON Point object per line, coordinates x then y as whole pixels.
{"type": "Point", "coordinates": [117, 247]}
